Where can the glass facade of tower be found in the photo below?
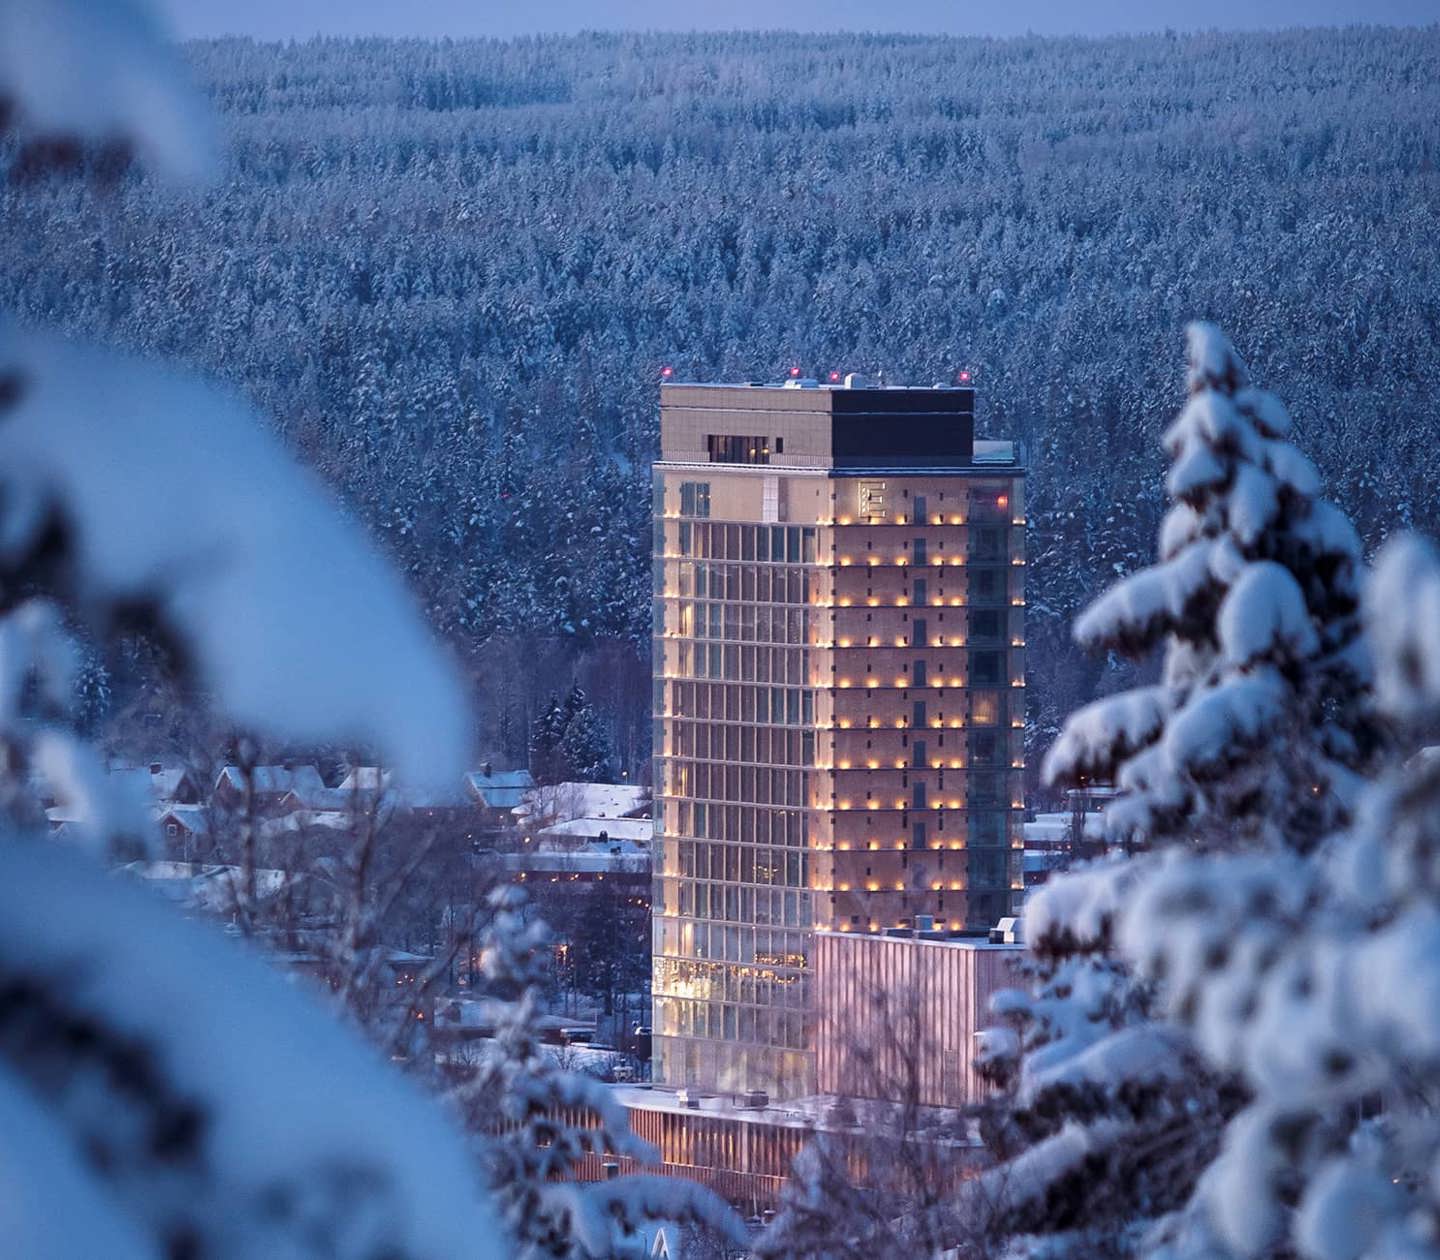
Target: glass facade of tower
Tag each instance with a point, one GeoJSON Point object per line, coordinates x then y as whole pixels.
{"type": "Point", "coordinates": [735, 728]}
{"type": "Point", "coordinates": [839, 714]}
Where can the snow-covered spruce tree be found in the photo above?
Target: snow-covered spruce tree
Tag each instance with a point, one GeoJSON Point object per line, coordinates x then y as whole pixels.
{"type": "Point", "coordinates": [162, 1092]}
{"type": "Point", "coordinates": [1255, 731]}
{"type": "Point", "coordinates": [548, 729]}
{"type": "Point", "coordinates": [585, 746]}
{"type": "Point", "coordinates": [1316, 982]}
{"type": "Point", "coordinates": [1253, 740]}
{"type": "Point", "coordinates": [538, 1120]}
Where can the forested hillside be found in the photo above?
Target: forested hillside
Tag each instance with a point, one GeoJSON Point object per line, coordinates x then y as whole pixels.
{"type": "Point", "coordinates": [451, 273]}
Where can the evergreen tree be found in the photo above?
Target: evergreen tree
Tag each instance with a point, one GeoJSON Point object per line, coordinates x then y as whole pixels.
{"type": "Point", "coordinates": [163, 1093]}
{"type": "Point", "coordinates": [1313, 981]}
{"type": "Point", "coordinates": [547, 763]}
{"type": "Point", "coordinates": [1252, 742]}
{"type": "Point", "coordinates": [585, 748]}
{"type": "Point", "coordinates": [1255, 602]}
{"type": "Point", "coordinates": [533, 1112]}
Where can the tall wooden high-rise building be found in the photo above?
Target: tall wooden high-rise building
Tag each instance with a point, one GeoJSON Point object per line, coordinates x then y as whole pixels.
{"type": "Point", "coordinates": [839, 700]}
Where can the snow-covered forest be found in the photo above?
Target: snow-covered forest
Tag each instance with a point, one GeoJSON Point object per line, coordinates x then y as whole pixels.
{"type": "Point", "coordinates": [450, 273]}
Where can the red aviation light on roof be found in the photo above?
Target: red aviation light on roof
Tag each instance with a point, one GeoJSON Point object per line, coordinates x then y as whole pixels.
{"type": "Point", "coordinates": [666, 372]}
{"type": "Point", "coordinates": [963, 376]}
{"type": "Point", "coordinates": [834, 378]}
{"type": "Point", "coordinates": [794, 371]}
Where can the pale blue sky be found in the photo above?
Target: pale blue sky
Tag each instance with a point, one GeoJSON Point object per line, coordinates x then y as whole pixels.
{"type": "Point", "coordinates": [279, 19]}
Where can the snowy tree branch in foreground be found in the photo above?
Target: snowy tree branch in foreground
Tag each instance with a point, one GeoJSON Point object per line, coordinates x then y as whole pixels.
{"type": "Point", "coordinates": [164, 1093]}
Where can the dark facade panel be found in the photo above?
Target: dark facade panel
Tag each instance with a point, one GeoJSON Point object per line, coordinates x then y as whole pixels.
{"type": "Point", "coordinates": [913, 440]}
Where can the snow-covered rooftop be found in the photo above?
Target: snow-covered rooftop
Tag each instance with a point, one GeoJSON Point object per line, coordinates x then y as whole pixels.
{"type": "Point", "coordinates": [637, 830]}
{"type": "Point", "coordinates": [560, 802]}
{"type": "Point", "coordinates": [274, 780]}
{"type": "Point", "coordinates": [817, 1111]}
{"type": "Point", "coordinates": [500, 789]}
{"type": "Point", "coordinates": [207, 887]}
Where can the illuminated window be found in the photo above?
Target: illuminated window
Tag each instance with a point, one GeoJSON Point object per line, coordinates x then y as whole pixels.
{"type": "Point", "coordinates": [725, 448]}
